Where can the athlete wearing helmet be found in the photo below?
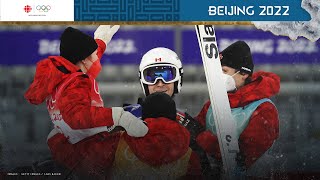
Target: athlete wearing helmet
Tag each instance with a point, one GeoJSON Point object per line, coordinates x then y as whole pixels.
{"type": "Point", "coordinates": [161, 70]}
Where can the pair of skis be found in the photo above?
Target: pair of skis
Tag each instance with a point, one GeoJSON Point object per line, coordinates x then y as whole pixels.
{"type": "Point", "coordinates": [219, 100]}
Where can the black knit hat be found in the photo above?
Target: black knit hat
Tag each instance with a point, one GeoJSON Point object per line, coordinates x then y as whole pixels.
{"type": "Point", "coordinates": [159, 104]}
{"type": "Point", "coordinates": [238, 56]}
{"type": "Point", "coordinates": [76, 45]}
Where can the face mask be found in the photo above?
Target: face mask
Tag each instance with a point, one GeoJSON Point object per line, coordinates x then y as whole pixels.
{"type": "Point", "coordinates": [94, 69]}
{"type": "Point", "coordinates": [229, 82]}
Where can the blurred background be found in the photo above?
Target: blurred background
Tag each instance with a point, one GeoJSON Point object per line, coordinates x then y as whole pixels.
{"type": "Point", "coordinates": [24, 127]}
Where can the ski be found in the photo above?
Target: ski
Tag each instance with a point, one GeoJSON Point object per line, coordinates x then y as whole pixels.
{"type": "Point", "coordinates": [226, 130]}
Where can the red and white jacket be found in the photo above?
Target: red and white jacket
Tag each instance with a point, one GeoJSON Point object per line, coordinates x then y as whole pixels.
{"type": "Point", "coordinates": [76, 110]}
{"type": "Point", "coordinates": [76, 96]}
{"type": "Point", "coordinates": [263, 127]}
{"type": "Point", "coordinates": [60, 125]}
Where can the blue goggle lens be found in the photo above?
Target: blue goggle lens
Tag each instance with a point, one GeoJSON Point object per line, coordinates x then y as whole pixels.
{"type": "Point", "coordinates": [166, 73]}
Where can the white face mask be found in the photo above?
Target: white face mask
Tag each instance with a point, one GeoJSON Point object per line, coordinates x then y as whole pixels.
{"type": "Point", "coordinates": [230, 83]}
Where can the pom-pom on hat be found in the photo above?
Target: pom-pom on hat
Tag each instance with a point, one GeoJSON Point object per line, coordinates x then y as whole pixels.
{"type": "Point", "coordinates": [76, 45]}
{"type": "Point", "coordinates": [238, 56]}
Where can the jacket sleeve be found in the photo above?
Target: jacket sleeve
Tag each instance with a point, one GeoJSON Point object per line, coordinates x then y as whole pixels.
{"type": "Point", "coordinates": [101, 47]}
{"type": "Point", "coordinates": [260, 134]}
{"type": "Point", "coordinates": [165, 142]}
{"type": "Point", "coordinates": [206, 139]}
{"type": "Point", "coordinates": [209, 143]}
{"type": "Point", "coordinates": [75, 106]}
{"type": "Point", "coordinates": [201, 117]}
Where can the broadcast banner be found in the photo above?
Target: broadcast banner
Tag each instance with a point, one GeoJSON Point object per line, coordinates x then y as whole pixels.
{"type": "Point", "coordinates": [154, 10]}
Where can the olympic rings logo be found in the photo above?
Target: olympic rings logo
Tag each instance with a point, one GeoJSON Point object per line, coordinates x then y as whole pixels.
{"type": "Point", "coordinates": [43, 8]}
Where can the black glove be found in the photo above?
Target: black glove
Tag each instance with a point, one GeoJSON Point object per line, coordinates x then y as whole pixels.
{"type": "Point", "coordinates": [193, 126]}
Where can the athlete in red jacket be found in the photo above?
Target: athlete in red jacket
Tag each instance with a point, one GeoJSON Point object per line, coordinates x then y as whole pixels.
{"type": "Point", "coordinates": [246, 90]}
{"type": "Point", "coordinates": [80, 138]}
{"type": "Point", "coordinates": [164, 152]}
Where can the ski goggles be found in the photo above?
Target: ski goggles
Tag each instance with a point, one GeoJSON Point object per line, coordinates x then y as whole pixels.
{"type": "Point", "coordinates": [167, 73]}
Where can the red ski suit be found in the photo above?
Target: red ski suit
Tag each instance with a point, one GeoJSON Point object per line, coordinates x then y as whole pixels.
{"type": "Point", "coordinates": [263, 127]}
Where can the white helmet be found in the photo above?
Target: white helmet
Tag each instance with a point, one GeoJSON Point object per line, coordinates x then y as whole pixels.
{"type": "Point", "coordinates": [160, 63]}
